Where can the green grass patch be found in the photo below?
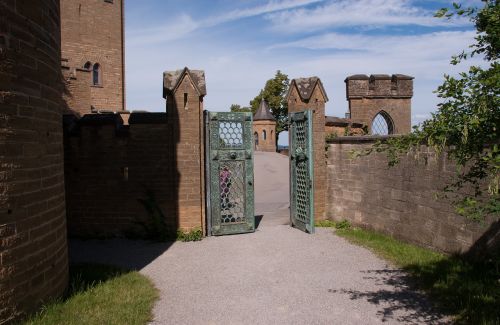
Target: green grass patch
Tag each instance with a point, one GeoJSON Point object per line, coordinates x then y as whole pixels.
{"type": "Point", "coordinates": [100, 294]}
{"type": "Point", "coordinates": [194, 235]}
{"type": "Point", "coordinates": [468, 290]}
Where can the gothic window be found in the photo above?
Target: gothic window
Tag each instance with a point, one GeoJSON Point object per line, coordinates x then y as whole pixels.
{"type": "Point", "coordinates": [264, 135]}
{"type": "Point", "coordinates": [256, 139]}
{"type": "Point", "coordinates": [96, 75]}
{"type": "Point", "coordinates": [382, 124]}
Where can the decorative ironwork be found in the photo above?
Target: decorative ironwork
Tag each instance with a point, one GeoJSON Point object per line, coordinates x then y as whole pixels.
{"type": "Point", "coordinates": [230, 147]}
{"type": "Point", "coordinates": [301, 171]}
{"type": "Point", "coordinates": [382, 124]}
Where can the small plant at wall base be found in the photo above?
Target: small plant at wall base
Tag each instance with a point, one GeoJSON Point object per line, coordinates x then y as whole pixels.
{"type": "Point", "coordinates": [194, 235]}
{"type": "Point", "coordinates": [467, 123]}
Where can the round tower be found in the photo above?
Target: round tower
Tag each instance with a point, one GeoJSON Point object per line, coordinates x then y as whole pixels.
{"type": "Point", "coordinates": [264, 129]}
{"type": "Point", "coordinates": [33, 249]}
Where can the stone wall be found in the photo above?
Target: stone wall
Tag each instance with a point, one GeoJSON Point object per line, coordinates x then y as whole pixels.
{"type": "Point", "coordinates": [33, 248]}
{"type": "Point", "coordinates": [369, 96]}
{"type": "Point", "coordinates": [77, 95]}
{"type": "Point", "coordinates": [110, 167]}
{"type": "Point", "coordinates": [400, 201]}
{"type": "Point", "coordinates": [92, 31]}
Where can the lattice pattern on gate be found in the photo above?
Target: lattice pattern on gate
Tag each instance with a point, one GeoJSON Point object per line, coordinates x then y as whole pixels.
{"type": "Point", "coordinates": [302, 177]}
{"type": "Point", "coordinates": [232, 192]}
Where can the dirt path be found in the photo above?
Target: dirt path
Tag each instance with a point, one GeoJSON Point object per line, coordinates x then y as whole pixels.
{"type": "Point", "coordinates": [277, 275]}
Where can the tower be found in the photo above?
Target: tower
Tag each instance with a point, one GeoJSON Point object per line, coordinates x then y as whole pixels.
{"type": "Point", "coordinates": [92, 36]}
{"type": "Point", "coordinates": [381, 102]}
{"type": "Point", "coordinates": [264, 129]}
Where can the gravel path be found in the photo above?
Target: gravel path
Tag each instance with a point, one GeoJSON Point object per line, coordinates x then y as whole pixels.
{"type": "Point", "coordinates": [277, 275]}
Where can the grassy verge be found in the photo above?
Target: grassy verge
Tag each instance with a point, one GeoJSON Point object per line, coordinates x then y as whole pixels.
{"type": "Point", "coordinates": [100, 294]}
{"type": "Point", "coordinates": [471, 291]}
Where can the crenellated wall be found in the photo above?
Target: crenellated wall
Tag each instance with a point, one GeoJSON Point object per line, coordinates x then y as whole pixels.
{"type": "Point", "coordinates": [33, 248]}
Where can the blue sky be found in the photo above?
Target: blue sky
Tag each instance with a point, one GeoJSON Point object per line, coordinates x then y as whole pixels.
{"type": "Point", "coordinates": [241, 44]}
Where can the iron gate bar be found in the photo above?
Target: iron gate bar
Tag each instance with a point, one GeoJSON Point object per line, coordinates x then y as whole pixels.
{"type": "Point", "coordinates": [301, 171]}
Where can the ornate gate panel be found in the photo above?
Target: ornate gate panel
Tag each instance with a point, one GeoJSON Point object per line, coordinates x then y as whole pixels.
{"type": "Point", "coordinates": [230, 169]}
{"type": "Point", "coordinates": [301, 171]}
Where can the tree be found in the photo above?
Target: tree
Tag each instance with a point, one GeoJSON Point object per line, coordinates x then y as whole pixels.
{"type": "Point", "coordinates": [467, 123]}
{"type": "Point", "coordinates": [238, 108]}
{"type": "Point", "coordinates": [274, 93]}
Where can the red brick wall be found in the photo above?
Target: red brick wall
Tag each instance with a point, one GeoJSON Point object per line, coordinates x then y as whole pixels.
{"type": "Point", "coordinates": [33, 248]}
{"type": "Point", "coordinates": [400, 201]}
{"type": "Point", "coordinates": [77, 97]}
{"type": "Point", "coordinates": [110, 166]}
{"type": "Point", "coordinates": [92, 31]}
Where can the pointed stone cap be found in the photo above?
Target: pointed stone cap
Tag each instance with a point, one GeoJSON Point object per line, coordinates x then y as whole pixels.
{"type": "Point", "coordinates": [172, 79]}
{"type": "Point", "coordinates": [305, 87]}
{"type": "Point", "coordinates": [263, 113]}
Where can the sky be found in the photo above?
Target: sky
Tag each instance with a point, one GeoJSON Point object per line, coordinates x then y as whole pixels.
{"type": "Point", "coordinates": [242, 43]}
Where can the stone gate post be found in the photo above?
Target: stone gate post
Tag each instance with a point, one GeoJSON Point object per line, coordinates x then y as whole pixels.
{"type": "Point", "coordinates": [184, 91]}
{"type": "Point", "coordinates": [309, 94]}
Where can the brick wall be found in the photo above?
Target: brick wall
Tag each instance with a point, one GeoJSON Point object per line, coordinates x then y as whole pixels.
{"type": "Point", "coordinates": [33, 248]}
{"type": "Point", "coordinates": [400, 201]}
{"type": "Point", "coordinates": [92, 31]}
{"type": "Point", "coordinates": [268, 144]}
{"type": "Point", "coordinates": [77, 95]}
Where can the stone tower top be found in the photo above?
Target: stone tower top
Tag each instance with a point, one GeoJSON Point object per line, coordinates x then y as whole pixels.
{"type": "Point", "coordinates": [305, 88]}
{"type": "Point", "coordinates": [379, 86]}
{"type": "Point", "coordinates": [172, 80]}
{"type": "Point", "coordinates": [263, 113]}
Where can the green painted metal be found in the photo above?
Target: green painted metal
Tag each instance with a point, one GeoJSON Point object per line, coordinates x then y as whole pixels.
{"type": "Point", "coordinates": [301, 170]}
{"type": "Point", "coordinates": [231, 176]}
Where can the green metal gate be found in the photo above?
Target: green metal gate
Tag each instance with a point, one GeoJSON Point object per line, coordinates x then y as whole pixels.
{"type": "Point", "coordinates": [230, 189]}
{"type": "Point", "coordinates": [301, 171]}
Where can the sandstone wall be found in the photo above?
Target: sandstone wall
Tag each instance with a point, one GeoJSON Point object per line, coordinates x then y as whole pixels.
{"type": "Point", "coordinates": [33, 248]}
{"type": "Point", "coordinates": [92, 31]}
{"type": "Point", "coordinates": [400, 201]}
{"type": "Point", "coordinates": [110, 167]}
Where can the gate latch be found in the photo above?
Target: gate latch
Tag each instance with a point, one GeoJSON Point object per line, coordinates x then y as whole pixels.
{"type": "Point", "coordinates": [233, 155]}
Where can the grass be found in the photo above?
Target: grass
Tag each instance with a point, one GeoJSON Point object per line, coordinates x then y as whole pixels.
{"type": "Point", "coordinates": [100, 294]}
{"type": "Point", "coordinates": [468, 290]}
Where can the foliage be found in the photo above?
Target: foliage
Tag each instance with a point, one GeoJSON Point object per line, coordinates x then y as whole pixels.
{"type": "Point", "coordinates": [344, 224]}
{"type": "Point", "coordinates": [239, 108]}
{"type": "Point", "coordinates": [194, 235]}
{"type": "Point", "coordinates": [156, 227]}
{"type": "Point", "coordinates": [467, 124]}
{"type": "Point", "coordinates": [101, 294]}
{"type": "Point", "coordinates": [331, 136]}
{"type": "Point", "coordinates": [470, 291]}
{"type": "Point", "coordinates": [274, 93]}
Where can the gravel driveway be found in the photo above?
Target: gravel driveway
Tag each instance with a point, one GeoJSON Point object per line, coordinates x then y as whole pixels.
{"type": "Point", "coordinates": [277, 275]}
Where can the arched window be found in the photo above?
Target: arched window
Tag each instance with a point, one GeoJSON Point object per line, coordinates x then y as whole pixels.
{"type": "Point", "coordinates": [264, 135]}
{"type": "Point", "coordinates": [96, 75]}
{"type": "Point", "coordinates": [382, 124]}
{"type": "Point", "coordinates": [256, 139]}
{"type": "Point", "coordinates": [87, 66]}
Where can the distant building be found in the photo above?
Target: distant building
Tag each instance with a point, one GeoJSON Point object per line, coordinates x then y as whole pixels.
{"type": "Point", "coordinates": [264, 129]}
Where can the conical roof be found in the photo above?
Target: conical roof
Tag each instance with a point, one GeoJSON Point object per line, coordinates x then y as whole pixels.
{"type": "Point", "coordinates": [263, 113]}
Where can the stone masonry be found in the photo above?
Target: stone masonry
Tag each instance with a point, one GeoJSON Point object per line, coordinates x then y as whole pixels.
{"type": "Point", "coordinates": [403, 201]}
{"type": "Point", "coordinates": [33, 247]}
{"type": "Point", "coordinates": [93, 31]}
{"type": "Point", "coordinates": [371, 95]}
{"type": "Point", "coordinates": [309, 94]}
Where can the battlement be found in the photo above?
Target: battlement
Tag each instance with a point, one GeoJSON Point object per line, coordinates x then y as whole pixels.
{"type": "Point", "coordinates": [379, 86]}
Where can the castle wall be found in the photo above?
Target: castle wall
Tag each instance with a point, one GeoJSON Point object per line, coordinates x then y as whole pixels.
{"type": "Point", "coordinates": [33, 248]}
{"type": "Point", "coordinates": [368, 96]}
{"type": "Point", "coordinates": [92, 31]}
{"type": "Point", "coordinates": [400, 201]}
{"type": "Point", "coordinates": [77, 95]}
{"type": "Point", "coordinates": [269, 144]}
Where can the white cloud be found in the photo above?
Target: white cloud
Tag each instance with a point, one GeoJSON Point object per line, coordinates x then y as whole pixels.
{"type": "Point", "coordinates": [183, 25]}
{"type": "Point", "coordinates": [348, 13]}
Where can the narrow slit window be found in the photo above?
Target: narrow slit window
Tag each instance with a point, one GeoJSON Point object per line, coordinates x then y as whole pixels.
{"type": "Point", "coordinates": [185, 101]}
{"type": "Point", "coordinates": [96, 75]}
